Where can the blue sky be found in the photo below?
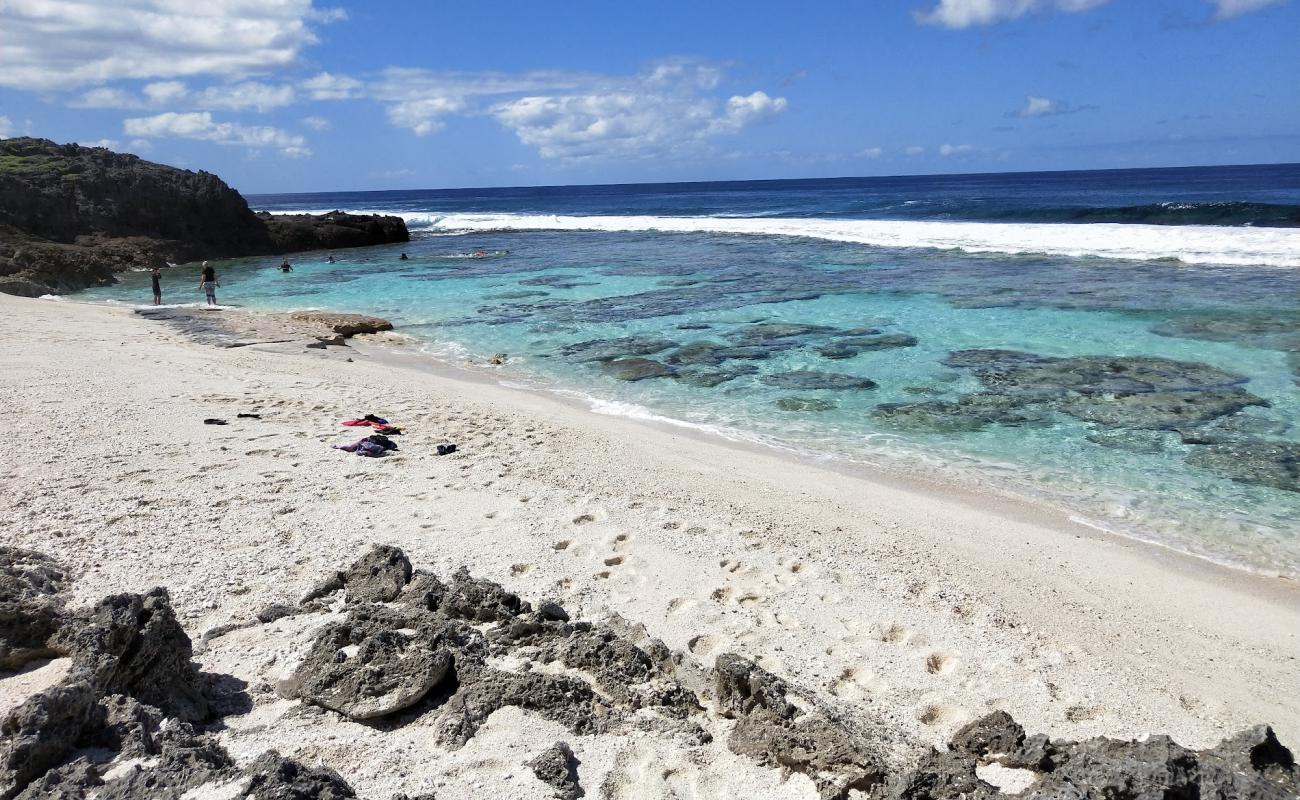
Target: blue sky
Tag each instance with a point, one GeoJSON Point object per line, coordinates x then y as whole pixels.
{"type": "Point", "coordinates": [296, 95]}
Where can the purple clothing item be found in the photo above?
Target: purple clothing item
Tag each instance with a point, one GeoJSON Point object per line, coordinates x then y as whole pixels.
{"type": "Point", "coordinates": [364, 447]}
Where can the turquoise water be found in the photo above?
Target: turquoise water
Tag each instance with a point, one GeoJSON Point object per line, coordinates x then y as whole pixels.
{"type": "Point", "coordinates": [539, 293]}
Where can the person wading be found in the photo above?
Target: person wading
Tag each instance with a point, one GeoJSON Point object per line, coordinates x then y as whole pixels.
{"type": "Point", "coordinates": [156, 277]}
{"type": "Point", "coordinates": [209, 283]}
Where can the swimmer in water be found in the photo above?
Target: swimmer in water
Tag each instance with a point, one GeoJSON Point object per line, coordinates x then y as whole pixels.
{"type": "Point", "coordinates": [331, 259]}
{"type": "Point", "coordinates": [285, 266]}
{"type": "Point", "coordinates": [403, 258]}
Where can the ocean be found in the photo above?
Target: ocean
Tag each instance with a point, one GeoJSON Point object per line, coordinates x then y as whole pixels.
{"type": "Point", "coordinates": [1124, 345]}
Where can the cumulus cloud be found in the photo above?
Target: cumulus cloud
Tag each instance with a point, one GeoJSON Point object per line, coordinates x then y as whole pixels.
{"type": "Point", "coordinates": [111, 144]}
{"type": "Point", "coordinates": [1036, 106]}
{"type": "Point", "coordinates": [201, 126]}
{"type": "Point", "coordinates": [950, 150]}
{"type": "Point", "coordinates": [673, 106]}
{"type": "Point", "coordinates": [317, 123]}
{"type": "Point", "coordinates": [326, 86]}
{"type": "Point", "coordinates": [6, 128]}
{"type": "Point", "coordinates": [871, 152]}
{"type": "Point", "coordinates": [62, 44]}
{"type": "Point", "coordinates": [966, 13]}
{"type": "Point", "coordinates": [245, 95]}
{"type": "Point", "coordinates": [1227, 9]}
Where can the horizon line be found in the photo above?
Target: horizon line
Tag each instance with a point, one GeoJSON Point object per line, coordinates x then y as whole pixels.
{"type": "Point", "coordinates": [785, 180]}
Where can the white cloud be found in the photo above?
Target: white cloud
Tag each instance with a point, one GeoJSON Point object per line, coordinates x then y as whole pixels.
{"type": "Point", "coordinates": [914, 150]}
{"type": "Point", "coordinates": [61, 44]}
{"type": "Point", "coordinates": [140, 145]}
{"type": "Point", "coordinates": [241, 96]}
{"type": "Point", "coordinates": [111, 144]}
{"type": "Point", "coordinates": [670, 107]}
{"type": "Point", "coordinates": [332, 87]}
{"type": "Point", "coordinates": [965, 13]}
{"type": "Point", "coordinates": [200, 125]}
{"type": "Point", "coordinates": [316, 123]}
{"type": "Point", "coordinates": [164, 92]}
{"type": "Point", "coordinates": [1036, 106]}
{"type": "Point", "coordinates": [950, 150]}
{"type": "Point", "coordinates": [6, 127]}
{"type": "Point", "coordinates": [870, 152]}
{"type": "Point", "coordinates": [425, 115]}
{"type": "Point", "coordinates": [1227, 9]}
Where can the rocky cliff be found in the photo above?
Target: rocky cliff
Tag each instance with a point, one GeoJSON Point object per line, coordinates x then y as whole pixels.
{"type": "Point", "coordinates": [71, 216]}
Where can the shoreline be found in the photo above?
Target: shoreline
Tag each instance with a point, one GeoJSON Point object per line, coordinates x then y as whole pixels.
{"type": "Point", "coordinates": [920, 610]}
{"type": "Point", "coordinates": [1017, 505]}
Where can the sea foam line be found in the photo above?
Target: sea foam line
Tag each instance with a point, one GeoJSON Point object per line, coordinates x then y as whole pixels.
{"type": "Point", "coordinates": [1191, 244]}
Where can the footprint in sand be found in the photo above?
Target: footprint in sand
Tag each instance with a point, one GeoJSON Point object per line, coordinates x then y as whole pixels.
{"type": "Point", "coordinates": [520, 569]}
{"type": "Point", "coordinates": [584, 519]}
{"type": "Point", "coordinates": [613, 561]}
{"type": "Point", "coordinates": [680, 605]}
{"type": "Point", "coordinates": [563, 544]}
{"type": "Point", "coordinates": [938, 714]}
{"type": "Point", "coordinates": [940, 663]}
{"type": "Point", "coordinates": [857, 683]}
{"type": "Point", "coordinates": [895, 633]}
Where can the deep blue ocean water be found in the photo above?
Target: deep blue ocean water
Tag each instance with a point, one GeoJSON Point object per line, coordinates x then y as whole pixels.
{"type": "Point", "coordinates": [1123, 344]}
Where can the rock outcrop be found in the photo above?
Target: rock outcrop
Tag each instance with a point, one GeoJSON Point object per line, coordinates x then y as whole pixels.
{"type": "Point", "coordinates": [72, 216]}
{"type": "Point", "coordinates": [406, 647]}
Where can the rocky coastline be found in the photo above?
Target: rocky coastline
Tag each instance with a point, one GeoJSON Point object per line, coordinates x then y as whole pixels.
{"type": "Point", "coordinates": [134, 717]}
{"type": "Point", "coordinates": [71, 217]}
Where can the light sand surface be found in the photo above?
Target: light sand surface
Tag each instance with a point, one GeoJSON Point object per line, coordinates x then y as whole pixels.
{"type": "Point", "coordinates": [907, 604]}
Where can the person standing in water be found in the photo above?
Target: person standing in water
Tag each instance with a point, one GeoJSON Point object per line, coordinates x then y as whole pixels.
{"type": "Point", "coordinates": [285, 266]}
{"type": "Point", "coordinates": [156, 277]}
{"type": "Point", "coordinates": [209, 283]}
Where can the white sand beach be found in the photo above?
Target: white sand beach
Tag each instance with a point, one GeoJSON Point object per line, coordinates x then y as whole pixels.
{"type": "Point", "coordinates": [911, 605]}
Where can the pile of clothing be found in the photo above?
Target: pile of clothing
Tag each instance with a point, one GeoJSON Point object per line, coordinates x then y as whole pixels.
{"type": "Point", "coordinates": [376, 444]}
{"type": "Point", "coordinates": [373, 446]}
{"type": "Point", "coordinates": [371, 421]}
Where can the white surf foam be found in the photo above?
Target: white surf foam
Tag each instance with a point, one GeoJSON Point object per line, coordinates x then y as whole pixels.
{"type": "Point", "coordinates": [1191, 244]}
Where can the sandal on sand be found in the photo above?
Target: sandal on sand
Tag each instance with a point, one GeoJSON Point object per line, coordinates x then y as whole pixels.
{"type": "Point", "coordinates": [214, 421]}
{"type": "Point", "coordinates": [445, 449]}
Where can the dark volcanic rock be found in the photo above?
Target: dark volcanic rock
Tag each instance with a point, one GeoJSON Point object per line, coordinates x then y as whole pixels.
{"type": "Point", "coordinates": [1159, 410]}
{"type": "Point", "coordinates": [808, 379]}
{"type": "Point", "coordinates": [72, 216]}
{"type": "Point", "coordinates": [636, 369]}
{"type": "Point", "coordinates": [274, 777]}
{"type": "Point", "coordinates": [31, 606]}
{"type": "Point", "coordinates": [766, 331]}
{"type": "Point", "coordinates": [133, 645]}
{"type": "Point", "coordinates": [558, 767]}
{"type": "Point", "coordinates": [41, 732]}
{"type": "Point", "coordinates": [570, 702]}
{"type": "Point", "coordinates": [344, 325]}
{"type": "Point", "coordinates": [805, 404]}
{"type": "Point", "coordinates": [365, 676]}
{"type": "Point", "coordinates": [379, 576]}
{"type": "Point", "coordinates": [1252, 765]}
{"type": "Point", "coordinates": [610, 349]}
{"type": "Point", "coordinates": [848, 348]}
{"type": "Point", "coordinates": [708, 378]}
{"type": "Point", "coordinates": [294, 232]}
{"type": "Point", "coordinates": [1263, 463]}
{"type": "Point", "coordinates": [799, 738]}
{"type": "Point", "coordinates": [479, 600]}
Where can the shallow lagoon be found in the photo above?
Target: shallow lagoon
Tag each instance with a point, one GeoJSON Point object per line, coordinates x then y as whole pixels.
{"type": "Point", "coordinates": [543, 296]}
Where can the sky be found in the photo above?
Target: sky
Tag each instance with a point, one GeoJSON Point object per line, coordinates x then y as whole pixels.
{"type": "Point", "coordinates": [332, 95]}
